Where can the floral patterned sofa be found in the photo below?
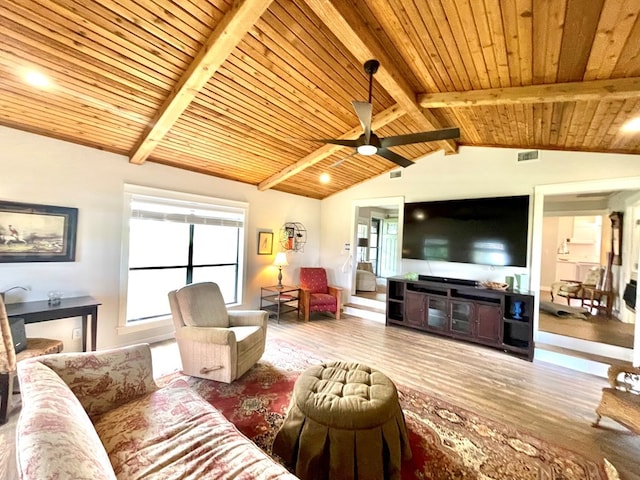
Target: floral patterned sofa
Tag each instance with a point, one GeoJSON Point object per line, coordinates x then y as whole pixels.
{"type": "Point", "coordinates": [100, 415]}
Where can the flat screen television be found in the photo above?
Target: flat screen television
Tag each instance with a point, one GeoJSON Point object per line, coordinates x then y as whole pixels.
{"type": "Point", "coordinates": [484, 231]}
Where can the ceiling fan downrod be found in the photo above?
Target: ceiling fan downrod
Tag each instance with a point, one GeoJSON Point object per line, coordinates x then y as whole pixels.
{"type": "Point", "coordinates": [371, 67]}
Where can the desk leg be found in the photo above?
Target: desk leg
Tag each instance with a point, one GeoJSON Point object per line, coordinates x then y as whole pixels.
{"type": "Point", "coordinates": [84, 332]}
{"type": "Point", "coordinates": [94, 329]}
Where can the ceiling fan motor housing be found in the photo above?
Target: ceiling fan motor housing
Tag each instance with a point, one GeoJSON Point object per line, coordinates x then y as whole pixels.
{"type": "Point", "coordinates": [371, 66]}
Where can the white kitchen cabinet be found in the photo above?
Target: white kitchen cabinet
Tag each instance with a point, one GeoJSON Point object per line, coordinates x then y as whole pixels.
{"type": "Point", "coordinates": [586, 230]}
{"type": "Point", "coordinates": [565, 271]}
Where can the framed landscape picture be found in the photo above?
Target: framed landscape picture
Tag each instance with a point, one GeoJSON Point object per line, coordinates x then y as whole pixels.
{"type": "Point", "coordinates": [37, 233]}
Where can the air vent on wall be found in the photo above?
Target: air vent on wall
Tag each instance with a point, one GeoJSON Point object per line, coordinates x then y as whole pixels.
{"type": "Point", "coordinates": [395, 174]}
{"type": "Point", "coordinates": [528, 156]}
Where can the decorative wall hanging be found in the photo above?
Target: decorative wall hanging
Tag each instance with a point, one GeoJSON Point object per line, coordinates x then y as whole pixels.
{"type": "Point", "coordinates": [616, 237]}
{"type": "Point", "coordinates": [37, 233]}
{"type": "Point", "coordinates": [293, 236]}
{"type": "Point", "coordinates": [265, 243]}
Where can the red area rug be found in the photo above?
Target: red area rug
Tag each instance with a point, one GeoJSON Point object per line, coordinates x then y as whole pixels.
{"type": "Point", "coordinates": [447, 442]}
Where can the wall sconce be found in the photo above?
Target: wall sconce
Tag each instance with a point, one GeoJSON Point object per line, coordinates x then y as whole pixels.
{"type": "Point", "coordinates": [280, 261]}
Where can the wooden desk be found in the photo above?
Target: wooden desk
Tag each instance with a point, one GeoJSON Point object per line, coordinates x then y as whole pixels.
{"type": "Point", "coordinates": [41, 311]}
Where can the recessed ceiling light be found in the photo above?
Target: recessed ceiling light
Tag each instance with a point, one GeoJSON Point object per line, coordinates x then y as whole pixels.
{"type": "Point", "coordinates": [37, 79]}
{"type": "Point", "coordinates": [325, 178]}
{"type": "Point", "coordinates": [632, 125]}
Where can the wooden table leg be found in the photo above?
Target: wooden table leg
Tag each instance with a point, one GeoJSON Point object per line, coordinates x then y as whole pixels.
{"type": "Point", "coordinates": [84, 332]}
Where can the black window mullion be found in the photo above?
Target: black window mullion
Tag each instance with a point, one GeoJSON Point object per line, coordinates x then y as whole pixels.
{"type": "Point", "coordinates": [190, 256]}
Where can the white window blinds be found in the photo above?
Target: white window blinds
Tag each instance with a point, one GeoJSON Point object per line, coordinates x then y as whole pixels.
{"type": "Point", "coordinates": [169, 210]}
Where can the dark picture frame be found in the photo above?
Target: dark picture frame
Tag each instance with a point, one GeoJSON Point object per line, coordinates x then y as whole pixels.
{"type": "Point", "coordinates": [265, 243]}
{"type": "Point", "coordinates": [37, 233]}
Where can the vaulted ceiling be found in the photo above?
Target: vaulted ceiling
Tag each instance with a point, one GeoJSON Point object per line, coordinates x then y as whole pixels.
{"type": "Point", "coordinates": [237, 89]}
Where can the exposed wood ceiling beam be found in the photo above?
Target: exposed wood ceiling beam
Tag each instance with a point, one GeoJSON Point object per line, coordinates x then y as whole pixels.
{"type": "Point", "coordinates": [224, 39]}
{"type": "Point", "coordinates": [356, 36]}
{"type": "Point", "coordinates": [613, 89]}
{"type": "Point", "coordinates": [378, 121]}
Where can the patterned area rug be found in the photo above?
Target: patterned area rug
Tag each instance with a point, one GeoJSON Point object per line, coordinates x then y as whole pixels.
{"type": "Point", "coordinates": [447, 442]}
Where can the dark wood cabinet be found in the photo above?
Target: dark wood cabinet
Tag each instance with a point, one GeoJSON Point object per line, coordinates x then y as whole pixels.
{"type": "Point", "coordinates": [500, 319]}
{"type": "Point", "coordinates": [415, 309]}
{"type": "Point", "coordinates": [489, 318]}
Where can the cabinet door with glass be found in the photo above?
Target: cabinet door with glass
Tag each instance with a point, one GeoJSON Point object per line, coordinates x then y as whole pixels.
{"type": "Point", "coordinates": [461, 314]}
{"type": "Point", "coordinates": [436, 313]}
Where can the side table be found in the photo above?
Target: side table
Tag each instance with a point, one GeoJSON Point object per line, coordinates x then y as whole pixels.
{"type": "Point", "coordinates": [278, 300]}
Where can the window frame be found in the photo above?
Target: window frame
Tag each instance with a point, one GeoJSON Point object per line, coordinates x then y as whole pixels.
{"type": "Point", "coordinates": [129, 192]}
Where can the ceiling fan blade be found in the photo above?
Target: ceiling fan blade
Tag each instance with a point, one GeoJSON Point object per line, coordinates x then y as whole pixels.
{"type": "Point", "coordinates": [397, 140]}
{"type": "Point", "coordinates": [342, 160]}
{"type": "Point", "coordinates": [394, 157]}
{"type": "Point", "coordinates": [334, 141]}
{"type": "Point", "coordinates": [364, 110]}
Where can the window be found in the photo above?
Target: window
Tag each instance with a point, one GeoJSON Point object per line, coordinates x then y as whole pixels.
{"type": "Point", "coordinates": [176, 239]}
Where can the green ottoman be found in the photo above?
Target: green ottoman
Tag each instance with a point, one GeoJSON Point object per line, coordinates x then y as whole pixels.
{"type": "Point", "coordinates": [344, 423]}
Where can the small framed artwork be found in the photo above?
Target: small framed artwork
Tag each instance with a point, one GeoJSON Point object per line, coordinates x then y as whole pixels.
{"type": "Point", "coordinates": [265, 243]}
{"type": "Point", "coordinates": [37, 233]}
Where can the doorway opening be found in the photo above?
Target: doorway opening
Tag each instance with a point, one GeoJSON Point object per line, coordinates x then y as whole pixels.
{"type": "Point", "coordinates": [580, 212]}
{"type": "Point", "coordinates": [377, 238]}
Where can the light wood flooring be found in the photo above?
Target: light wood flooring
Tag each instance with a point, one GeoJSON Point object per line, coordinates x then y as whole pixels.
{"type": "Point", "coordinates": [597, 328]}
{"type": "Point", "coordinates": [548, 401]}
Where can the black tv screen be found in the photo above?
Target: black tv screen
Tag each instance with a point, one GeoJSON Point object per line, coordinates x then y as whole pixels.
{"type": "Point", "coordinates": [484, 231]}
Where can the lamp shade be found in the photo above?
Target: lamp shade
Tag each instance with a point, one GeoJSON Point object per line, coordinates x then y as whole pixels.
{"type": "Point", "coordinates": [363, 242]}
{"type": "Point", "coordinates": [281, 259]}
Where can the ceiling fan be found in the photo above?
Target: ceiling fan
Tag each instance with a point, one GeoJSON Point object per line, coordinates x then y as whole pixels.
{"type": "Point", "coordinates": [370, 144]}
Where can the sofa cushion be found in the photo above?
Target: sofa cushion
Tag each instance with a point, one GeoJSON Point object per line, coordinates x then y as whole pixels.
{"type": "Point", "coordinates": [322, 299]}
{"type": "Point", "coordinates": [174, 433]}
{"type": "Point", "coordinates": [51, 415]}
{"type": "Point", "coordinates": [105, 379]}
{"type": "Point", "coordinates": [248, 338]}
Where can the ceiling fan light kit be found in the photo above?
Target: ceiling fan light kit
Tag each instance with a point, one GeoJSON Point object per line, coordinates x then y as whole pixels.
{"type": "Point", "coordinates": [367, 149]}
{"type": "Point", "coordinates": [370, 144]}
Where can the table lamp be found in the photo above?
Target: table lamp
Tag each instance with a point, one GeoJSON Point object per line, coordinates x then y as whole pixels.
{"type": "Point", "coordinates": [280, 261]}
{"type": "Point", "coordinates": [363, 243]}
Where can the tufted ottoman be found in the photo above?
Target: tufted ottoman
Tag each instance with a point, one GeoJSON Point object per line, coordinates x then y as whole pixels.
{"type": "Point", "coordinates": [344, 422]}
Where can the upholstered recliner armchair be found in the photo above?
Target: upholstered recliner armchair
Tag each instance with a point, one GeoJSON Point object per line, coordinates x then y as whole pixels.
{"type": "Point", "coordinates": [316, 295]}
{"type": "Point", "coordinates": [365, 278]}
{"type": "Point", "coordinates": [9, 358]}
{"type": "Point", "coordinates": [215, 343]}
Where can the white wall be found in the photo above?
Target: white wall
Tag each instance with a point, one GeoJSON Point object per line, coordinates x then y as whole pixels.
{"type": "Point", "coordinates": [39, 170]}
{"type": "Point", "coordinates": [474, 172]}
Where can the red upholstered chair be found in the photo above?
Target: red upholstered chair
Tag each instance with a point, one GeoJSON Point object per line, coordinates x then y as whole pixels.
{"type": "Point", "coordinates": [316, 295]}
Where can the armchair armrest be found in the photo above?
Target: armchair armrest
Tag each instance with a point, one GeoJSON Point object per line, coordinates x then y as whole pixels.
{"type": "Point", "coordinates": [106, 379]}
{"type": "Point", "coordinates": [248, 318]}
{"type": "Point", "coordinates": [335, 291]}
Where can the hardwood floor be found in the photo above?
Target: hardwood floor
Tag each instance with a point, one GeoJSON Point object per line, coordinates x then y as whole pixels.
{"type": "Point", "coordinates": [597, 328]}
{"type": "Point", "coordinates": [550, 402]}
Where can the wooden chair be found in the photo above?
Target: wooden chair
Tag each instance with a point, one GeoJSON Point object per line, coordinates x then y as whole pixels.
{"type": "Point", "coordinates": [621, 400]}
{"type": "Point", "coordinates": [574, 289]}
{"type": "Point", "coordinates": [316, 295]}
{"type": "Point", "coordinates": [9, 359]}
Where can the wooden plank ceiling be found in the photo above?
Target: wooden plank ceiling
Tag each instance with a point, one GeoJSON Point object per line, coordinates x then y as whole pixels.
{"type": "Point", "coordinates": [237, 89]}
